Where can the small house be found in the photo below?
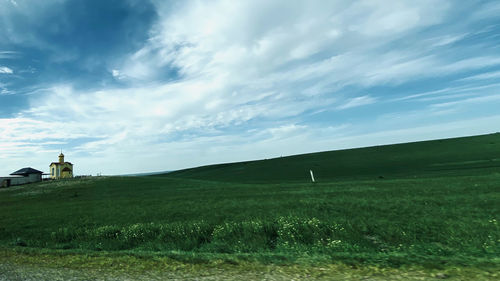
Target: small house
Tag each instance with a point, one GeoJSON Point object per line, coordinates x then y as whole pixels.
{"type": "Point", "coordinates": [22, 176]}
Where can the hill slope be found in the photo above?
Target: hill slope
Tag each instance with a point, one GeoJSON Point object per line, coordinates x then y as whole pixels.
{"type": "Point", "coordinates": [452, 220]}
{"type": "Point", "coordinates": [447, 156]}
{"type": "Point", "coordinates": [445, 211]}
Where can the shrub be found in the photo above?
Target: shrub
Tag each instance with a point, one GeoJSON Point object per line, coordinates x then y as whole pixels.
{"type": "Point", "coordinates": [185, 236]}
{"type": "Point", "coordinates": [64, 235]}
{"type": "Point", "coordinates": [294, 232]}
{"type": "Point", "coordinates": [140, 232]}
{"type": "Point", "coordinates": [107, 232]}
{"type": "Point", "coordinates": [251, 236]}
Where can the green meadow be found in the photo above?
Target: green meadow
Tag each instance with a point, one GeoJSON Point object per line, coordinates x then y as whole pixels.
{"type": "Point", "coordinates": [430, 204]}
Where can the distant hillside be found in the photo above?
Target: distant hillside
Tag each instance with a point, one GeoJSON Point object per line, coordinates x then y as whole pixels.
{"type": "Point", "coordinates": [452, 156]}
{"type": "Point", "coordinates": [447, 216]}
{"type": "Point", "coordinates": [145, 174]}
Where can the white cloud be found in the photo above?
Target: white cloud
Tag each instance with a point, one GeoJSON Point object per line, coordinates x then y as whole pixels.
{"type": "Point", "coordinates": [245, 72]}
{"type": "Point", "coordinates": [470, 101]}
{"type": "Point", "coordinates": [443, 93]}
{"type": "Point", "coordinates": [117, 74]}
{"type": "Point", "coordinates": [9, 54]}
{"type": "Point", "coordinates": [483, 76]}
{"type": "Point", "coordinates": [486, 10]}
{"type": "Point", "coordinates": [446, 129]}
{"type": "Point", "coordinates": [5, 70]}
{"type": "Point", "coordinates": [447, 40]}
{"type": "Point", "coordinates": [471, 64]}
{"type": "Point", "coordinates": [357, 101]}
{"type": "Point", "coordinates": [254, 39]}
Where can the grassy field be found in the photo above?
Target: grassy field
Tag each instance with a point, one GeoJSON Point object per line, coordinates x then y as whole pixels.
{"type": "Point", "coordinates": [42, 265]}
{"type": "Point", "coordinates": [433, 205]}
{"type": "Point", "coordinates": [481, 154]}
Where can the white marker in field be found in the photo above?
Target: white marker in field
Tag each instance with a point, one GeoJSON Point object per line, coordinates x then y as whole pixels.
{"type": "Point", "coordinates": [312, 175]}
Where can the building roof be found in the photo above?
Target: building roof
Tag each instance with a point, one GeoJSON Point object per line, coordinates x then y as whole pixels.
{"type": "Point", "coordinates": [57, 163]}
{"type": "Point", "coordinates": [25, 172]}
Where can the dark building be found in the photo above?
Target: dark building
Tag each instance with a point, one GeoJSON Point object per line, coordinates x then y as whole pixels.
{"type": "Point", "coordinates": [22, 176]}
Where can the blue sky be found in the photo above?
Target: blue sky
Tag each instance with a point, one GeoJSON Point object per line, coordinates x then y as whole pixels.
{"type": "Point", "coordinates": [139, 86]}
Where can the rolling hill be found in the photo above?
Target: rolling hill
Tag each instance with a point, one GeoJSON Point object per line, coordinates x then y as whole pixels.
{"type": "Point", "coordinates": [433, 202]}
{"type": "Point", "coordinates": [427, 158]}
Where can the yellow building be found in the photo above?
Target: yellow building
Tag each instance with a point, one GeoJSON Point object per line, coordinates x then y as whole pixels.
{"type": "Point", "coordinates": [61, 169]}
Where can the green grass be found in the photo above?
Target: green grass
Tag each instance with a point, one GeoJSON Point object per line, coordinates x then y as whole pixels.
{"type": "Point", "coordinates": [429, 158]}
{"type": "Point", "coordinates": [438, 204]}
{"type": "Point", "coordinates": [25, 264]}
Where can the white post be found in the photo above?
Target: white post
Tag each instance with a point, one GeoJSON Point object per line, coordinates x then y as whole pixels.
{"type": "Point", "coordinates": [312, 175]}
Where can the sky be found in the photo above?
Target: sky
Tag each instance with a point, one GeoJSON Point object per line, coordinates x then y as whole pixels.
{"type": "Point", "coordinates": [131, 86]}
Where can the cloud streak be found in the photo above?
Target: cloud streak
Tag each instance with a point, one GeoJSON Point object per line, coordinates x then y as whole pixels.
{"type": "Point", "coordinates": [235, 80]}
{"type": "Point", "coordinates": [5, 70]}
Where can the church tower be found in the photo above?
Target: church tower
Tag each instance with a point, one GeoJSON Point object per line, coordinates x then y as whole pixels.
{"type": "Point", "coordinates": [61, 169]}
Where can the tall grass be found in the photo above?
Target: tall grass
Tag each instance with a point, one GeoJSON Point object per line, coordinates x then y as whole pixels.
{"type": "Point", "coordinates": [449, 215]}
{"type": "Point", "coordinates": [434, 218]}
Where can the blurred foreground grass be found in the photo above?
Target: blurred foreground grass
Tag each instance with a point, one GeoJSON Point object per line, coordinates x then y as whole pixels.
{"type": "Point", "coordinates": [26, 264]}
